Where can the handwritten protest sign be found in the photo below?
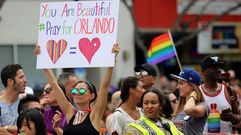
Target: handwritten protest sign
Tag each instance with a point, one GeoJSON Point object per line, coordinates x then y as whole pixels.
{"type": "Point", "coordinates": [77, 34]}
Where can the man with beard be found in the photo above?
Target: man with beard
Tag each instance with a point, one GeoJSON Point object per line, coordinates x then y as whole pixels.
{"type": "Point", "coordinates": [14, 81]}
{"type": "Point", "coordinates": [216, 93]}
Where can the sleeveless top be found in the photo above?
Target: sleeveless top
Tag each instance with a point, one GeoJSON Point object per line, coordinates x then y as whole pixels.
{"type": "Point", "coordinates": [8, 113]}
{"type": "Point", "coordinates": [83, 128]}
{"type": "Point", "coordinates": [222, 103]}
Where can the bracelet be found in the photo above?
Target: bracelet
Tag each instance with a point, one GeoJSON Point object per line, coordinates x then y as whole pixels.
{"type": "Point", "coordinates": [193, 98]}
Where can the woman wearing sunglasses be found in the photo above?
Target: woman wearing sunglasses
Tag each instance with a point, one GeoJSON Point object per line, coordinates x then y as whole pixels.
{"type": "Point", "coordinates": [83, 119]}
{"type": "Point", "coordinates": [51, 109]}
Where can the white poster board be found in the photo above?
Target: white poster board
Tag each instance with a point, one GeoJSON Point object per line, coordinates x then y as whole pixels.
{"type": "Point", "coordinates": [77, 34]}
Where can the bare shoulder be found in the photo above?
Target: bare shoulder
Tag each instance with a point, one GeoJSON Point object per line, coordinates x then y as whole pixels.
{"type": "Point", "coordinates": [230, 89]}
{"type": "Point", "coordinates": [1, 92]}
{"type": "Point", "coordinates": [171, 96]}
{"type": "Point", "coordinates": [1, 95]}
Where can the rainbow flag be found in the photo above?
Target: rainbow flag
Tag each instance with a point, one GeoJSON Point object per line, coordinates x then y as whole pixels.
{"type": "Point", "coordinates": [162, 48]}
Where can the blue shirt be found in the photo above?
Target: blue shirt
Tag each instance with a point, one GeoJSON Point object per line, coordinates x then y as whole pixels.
{"type": "Point", "coordinates": [8, 113]}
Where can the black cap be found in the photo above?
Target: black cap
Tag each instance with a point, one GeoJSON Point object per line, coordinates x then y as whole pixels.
{"type": "Point", "coordinates": [147, 67]}
{"type": "Point", "coordinates": [210, 61]}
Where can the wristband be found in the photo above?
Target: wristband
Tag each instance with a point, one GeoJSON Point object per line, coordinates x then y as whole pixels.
{"type": "Point", "coordinates": [193, 98]}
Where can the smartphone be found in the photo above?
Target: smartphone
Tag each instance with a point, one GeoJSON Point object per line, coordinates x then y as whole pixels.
{"type": "Point", "coordinates": [226, 110]}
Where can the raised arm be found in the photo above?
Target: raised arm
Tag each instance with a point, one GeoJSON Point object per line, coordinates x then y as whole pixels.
{"type": "Point", "coordinates": [99, 108]}
{"type": "Point", "coordinates": [64, 104]}
{"type": "Point", "coordinates": [190, 108]}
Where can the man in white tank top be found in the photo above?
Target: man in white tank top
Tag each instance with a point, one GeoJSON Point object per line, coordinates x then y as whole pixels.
{"type": "Point", "coordinates": [214, 92]}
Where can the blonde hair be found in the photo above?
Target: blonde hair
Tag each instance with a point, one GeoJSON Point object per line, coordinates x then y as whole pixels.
{"type": "Point", "coordinates": [182, 100]}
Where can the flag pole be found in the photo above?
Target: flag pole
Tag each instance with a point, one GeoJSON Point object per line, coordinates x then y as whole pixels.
{"type": "Point", "coordinates": [174, 48]}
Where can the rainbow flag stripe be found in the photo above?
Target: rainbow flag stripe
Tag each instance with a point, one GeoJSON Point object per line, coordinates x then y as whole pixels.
{"type": "Point", "coordinates": [161, 49]}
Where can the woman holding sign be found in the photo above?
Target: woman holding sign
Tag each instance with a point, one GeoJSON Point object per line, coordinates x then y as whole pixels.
{"type": "Point", "coordinates": [83, 119]}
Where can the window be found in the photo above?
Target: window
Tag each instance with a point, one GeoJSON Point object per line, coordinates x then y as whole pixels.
{"type": "Point", "coordinates": [23, 55]}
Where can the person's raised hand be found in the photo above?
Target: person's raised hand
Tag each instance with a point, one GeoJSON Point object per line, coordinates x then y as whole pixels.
{"type": "Point", "coordinates": [37, 50]}
{"type": "Point", "coordinates": [56, 119]}
{"type": "Point", "coordinates": [227, 115]}
{"type": "Point", "coordinates": [115, 49]}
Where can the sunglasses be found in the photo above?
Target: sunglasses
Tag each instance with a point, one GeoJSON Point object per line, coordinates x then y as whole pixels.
{"type": "Point", "coordinates": [82, 91]}
{"type": "Point", "coordinates": [142, 73]}
{"type": "Point", "coordinates": [47, 90]}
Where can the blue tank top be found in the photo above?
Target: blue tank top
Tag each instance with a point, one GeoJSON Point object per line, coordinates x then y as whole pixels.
{"type": "Point", "coordinates": [83, 128]}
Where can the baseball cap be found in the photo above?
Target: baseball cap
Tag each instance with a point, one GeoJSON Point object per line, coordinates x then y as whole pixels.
{"type": "Point", "coordinates": [146, 67]}
{"type": "Point", "coordinates": [210, 61]}
{"type": "Point", "coordinates": [189, 75]}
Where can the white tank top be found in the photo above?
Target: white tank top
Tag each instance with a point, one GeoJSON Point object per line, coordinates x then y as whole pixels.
{"type": "Point", "coordinates": [222, 103]}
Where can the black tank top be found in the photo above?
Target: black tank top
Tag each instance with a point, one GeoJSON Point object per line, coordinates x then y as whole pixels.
{"type": "Point", "coordinates": [83, 128]}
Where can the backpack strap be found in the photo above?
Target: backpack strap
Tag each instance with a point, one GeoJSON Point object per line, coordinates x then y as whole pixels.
{"type": "Point", "coordinates": [118, 110]}
{"type": "Point", "coordinates": [233, 98]}
{"type": "Point", "coordinates": [234, 103]}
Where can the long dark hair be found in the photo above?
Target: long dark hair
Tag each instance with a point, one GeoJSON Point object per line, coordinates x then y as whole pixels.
{"type": "Point", "coordinates": [129, 82]}
{"type": "Point", "coordinates": [34, 116]}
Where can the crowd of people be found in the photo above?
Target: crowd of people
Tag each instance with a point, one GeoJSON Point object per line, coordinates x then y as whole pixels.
{"type": "Point", "coordinates": [192, 103]}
